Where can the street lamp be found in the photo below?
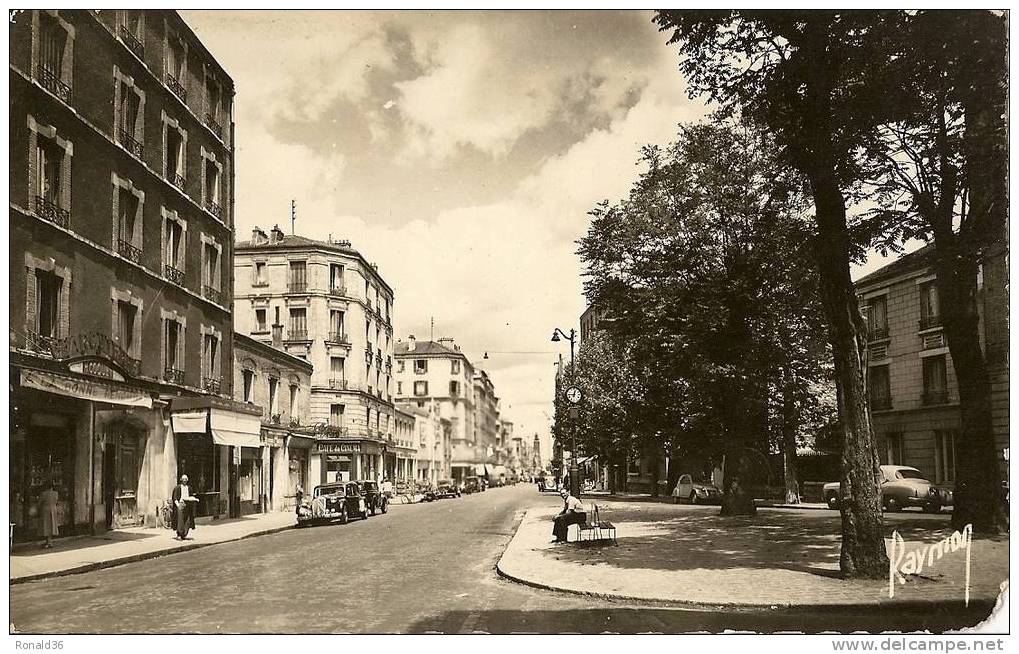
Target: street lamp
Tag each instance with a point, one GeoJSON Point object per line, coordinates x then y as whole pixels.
{"type": "Point", "coordinates": [557, 336]}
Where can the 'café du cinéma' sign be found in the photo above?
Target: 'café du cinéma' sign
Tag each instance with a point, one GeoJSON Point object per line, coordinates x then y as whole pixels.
{"type": "Point", "coordinates": [338, 448]}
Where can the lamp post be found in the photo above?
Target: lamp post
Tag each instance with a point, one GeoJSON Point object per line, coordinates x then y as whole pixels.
{"type": "Point", "coordinates": [557, 336]}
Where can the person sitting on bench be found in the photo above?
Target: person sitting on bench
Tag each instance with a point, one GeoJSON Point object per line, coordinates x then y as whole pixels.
{"type": "Point", "coordinates": [572, 514]}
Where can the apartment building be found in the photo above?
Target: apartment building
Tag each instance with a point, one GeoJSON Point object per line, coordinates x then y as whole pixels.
{"type": "Point", "coordinates": [323, 302]}
{"type": "Point", "coordinates": [121, 232]}
{"type": "Point", "coordinates": [914, 393]}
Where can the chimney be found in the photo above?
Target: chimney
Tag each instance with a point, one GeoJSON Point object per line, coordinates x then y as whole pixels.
{"type": "Point", "coordinates": [277, 336]}
{"type": "Point", "coordinates": [411, 343]}
{"type": "Point", "coordinates": [276, 235]}
{"type": "Point", "coordinates": [258, 237]}
{"type": "Point", "coordinates": [447, 342]}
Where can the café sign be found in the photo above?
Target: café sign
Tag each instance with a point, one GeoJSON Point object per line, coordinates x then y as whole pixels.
{"type": "Point", "coordinates": [339, 448]}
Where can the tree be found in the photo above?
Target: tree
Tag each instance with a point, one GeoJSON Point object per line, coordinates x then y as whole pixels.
{"type": "Point", "coordinates": [942, 179]}
{"type": "Point", "coordinates": [702, 266]}
{"type": "Point", "coordinates": [797, 74]}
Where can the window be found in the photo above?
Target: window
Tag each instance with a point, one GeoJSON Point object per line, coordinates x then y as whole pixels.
{"type": "Point", "coordinates": [454, 367]}
{"type": "Point", "coordinates": [877, 318]}
{"type": "Point", "coordinates": [293, 400]}
{"type": "Point", "coordinates": [273, 385]}
{"type": "Point", "coordinates": [399, 365]}
{"type": "Point", "coordinates": [173, 154]}
{"type": "Point", "coordinates": [336, 283]}
{"type": "Point", "coordinates": [298, 277]}
{"type": "Point", "coordinates": [249, 383]}
{"type": "Point", "coordinates": [632, 465]}
{"type": "Point", "coordinates": [336, 367]}
{"type": "Point", "coordinates": [298, 329]}
{"type": "Point", "coordinates": [420, 388]}
{"type": "Point", "coordinates": [211, 266]}
{"type": "Point", "coordinates": [944, 456]}
{"type": "Point", "coordinates": [54, 53]}
{"type": "Point", "coordinates": [127, 318]}
{"type": "Point", "coordinates": [48, 287]}
{"type": "Point", "coordinates": [399, 388]}
{"type": "Point", "coordinates": [336, 415]}
{"type": "Point", "coordinates": [173, 248]}
{"type": "Point", "coordinates": [420, 366]}
{"type": "Point", "coordinates": [880, 390]}
{"type": "Point", "coordinates": [173, 347]}
{"type": "Point", "coordinates": [213, 94]}
{"type": "Point", "coordinates": [893, 449]}
{"type": "Point", "coordinates": [210, 360]}
{"type": "Point", "coordinates": [336, 325]}
{"type": "Point", "coordinates": [260, 321]}
{"type": "Point", "coordinates": [930, 311]}
{"type": "Point", "coordinates": [454, 389]}
{"type": "Point", "coordinates": [49, 173]}
{"type": "Point", "coordinates": [935, 383]}
{"type": "Point", "coordinates": [259, 272]}
{"type": "Point", "coordinates": [211, 187]}
{"type": "Point", "coordinates": [129, 119]}
{"type": "Point", "coordinates": [128, 225]}
{"type": "Point", "coordinates": [132, 30]}
{"type": "Point", "coordinates": [176, 62]}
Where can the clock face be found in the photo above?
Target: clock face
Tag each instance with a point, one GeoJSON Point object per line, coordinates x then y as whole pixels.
{"type": "Point", "coordinates": [573, 394]}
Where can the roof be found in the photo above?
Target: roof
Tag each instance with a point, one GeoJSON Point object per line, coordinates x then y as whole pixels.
{"type": "Point", "coordinates": [913, 261]}
{"type": "Point", "coordinates": [270, 352]}
{"type": "Point", "coordinates": [426, 348]}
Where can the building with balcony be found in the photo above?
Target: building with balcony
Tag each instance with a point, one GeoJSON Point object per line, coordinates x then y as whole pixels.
{"type": "Point", "coordinates": [914, 394]}
{"type": "Point", "coordinates": [323, 302]}
{"type": "Point", "coordinates": [120, 238]}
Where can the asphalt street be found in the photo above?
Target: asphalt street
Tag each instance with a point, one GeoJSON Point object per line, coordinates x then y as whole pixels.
{"type": "Point", "coordinates": [418, 569]}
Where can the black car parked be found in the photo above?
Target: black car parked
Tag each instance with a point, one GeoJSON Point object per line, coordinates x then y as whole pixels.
{"type": "Point", "coordinates": [334, 501]}
{"type": "Point", "coordinates": [376, 500]}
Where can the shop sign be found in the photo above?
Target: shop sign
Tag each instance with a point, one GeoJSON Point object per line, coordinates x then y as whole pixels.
{"type": "Point", "coordinates": [327, 448]}
{"type": "Point", "coordinates": [272, 440]}
{"type": "Point", "coordinates": [95, 345]}
{"type": "Point", "coordinates": [83, 389]}
{"type": "Point", "coordinates": [95, 368]}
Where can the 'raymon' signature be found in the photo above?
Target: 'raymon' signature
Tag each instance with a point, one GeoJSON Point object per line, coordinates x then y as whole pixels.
{"type": "Point", "coordinates": [901, 562]}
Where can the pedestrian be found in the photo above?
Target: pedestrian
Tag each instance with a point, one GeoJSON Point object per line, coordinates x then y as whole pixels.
{"type": "Point", "coordinates": [183, 507]}
{"type": "Point", "coordinates": [572, 514]}
{"type": "Point", "coordinates": [298, 496]}
{"type": "Point", "coordinates": [48, 500]}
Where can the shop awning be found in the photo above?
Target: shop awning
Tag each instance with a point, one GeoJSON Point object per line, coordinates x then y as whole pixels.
{"type": "Point", "coordinates": [85, 389]}
{"type": "Point", "coordinates": [479, 469]}
{"type": "Point", "coordinates": [190, 422]}
{"type": "Point", "coordinates": [489, 470]}
{"type": "Point", "coordinates": [236, 429]}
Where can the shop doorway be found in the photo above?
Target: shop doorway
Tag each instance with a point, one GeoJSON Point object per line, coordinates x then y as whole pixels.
{"type": "Point", "coordinates": [121, 465]}
{"type": "Point", "coordinates": [41, 454]}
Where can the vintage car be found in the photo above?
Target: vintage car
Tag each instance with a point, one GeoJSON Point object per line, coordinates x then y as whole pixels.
{"type": "Point", "coordinates": [696, 493]}
{"type": "Point", "coordinates": [901, 487]}
{"type": "Point", "coordinates": [446, 488]}
{"type": "Point", "coordinates": [472, 485]}
{"type": "Point", "coordinates": [376, 499]}
{"type": "Point", "coordinates": [334, 501]}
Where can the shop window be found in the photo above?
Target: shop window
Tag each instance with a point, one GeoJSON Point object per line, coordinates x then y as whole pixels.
{"type": "Point", "coordinates": [420, 388]}
{"type": "Point", "coordinates": [944, 456]}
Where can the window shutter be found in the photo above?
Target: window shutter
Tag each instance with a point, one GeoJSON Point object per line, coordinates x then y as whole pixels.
{"type": "Point", "coordinates": [31, 300]}
{"type": "Point", "coordinates": [162, 349]}
{"type": "Point", "coordinates": [64, 308]}
{"type": "Point", "coordinates": [181, 349]}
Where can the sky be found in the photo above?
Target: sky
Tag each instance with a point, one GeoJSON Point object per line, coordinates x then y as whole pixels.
{"type": "Point", "coordinates": [460, 151]}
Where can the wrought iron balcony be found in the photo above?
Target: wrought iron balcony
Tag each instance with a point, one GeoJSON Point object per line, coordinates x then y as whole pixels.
{"type": "Point", "coordinates": [935, 397]}
{"type": "Point", "coordinates": [129, 251]}
{"type": "Point", "coordinates": [338, 290]}
{"type": "Point", "coordinates": [878, 334]}
{"type": "Point", "coordinates": [128, 141]}
{"type": "Point", "coordinates": [52, 212]}
{"type": "Point", "coordinates": [51, 82]}
{"type": "Point", "coordinates": [212, 294]}
{"type": "Point", "coordinates": [276, 418]}
{"type": "Point", "coordinates": [213, 208]}
{"type": "Point", "coordinates": [297, 335]}
{"type": "Point", "coordinates": [174, 275]}
{"type": "Point", "coordinates": [338, 383]}
{"type": "Point", "coordinates": [177, 87]}
{"type": "Point", "coordinates": [930, 322]}
{"type": "Point", "coordinates": [214, 125]}
{"type": "Point", "coordinates": [173, 375]}
{"type": "Point", "coordinates": [132, 42]}
{"type": "Point", "coordinates": [881, 403]}
{"type": "Point", "coordinates": [39, 343]}
{"type": "Point", "coordinates": [339, 337]}
{"type": "Point", "coordinates": [211, 384]}
{"type": "Point", "coordinates": [297, 287]}
{"type": "Point", "coordinates": [177, 180]}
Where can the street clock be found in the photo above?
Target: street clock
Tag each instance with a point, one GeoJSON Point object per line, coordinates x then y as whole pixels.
{"type": "Point", "coordinates": [573, 395]}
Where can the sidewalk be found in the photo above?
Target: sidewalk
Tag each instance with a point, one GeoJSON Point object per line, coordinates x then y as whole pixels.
{"type": "Point", "coordinates": [689, 555]}
{"type": "Point", "coordinates": [73, 555]}
{"type": "Point", "coordinates": [604, 496]}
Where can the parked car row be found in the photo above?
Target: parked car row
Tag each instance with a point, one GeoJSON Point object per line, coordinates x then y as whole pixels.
{"type": "Point", "coordinates": [901, 487]}
{"type": "Point", "coordinates": [342, 501]}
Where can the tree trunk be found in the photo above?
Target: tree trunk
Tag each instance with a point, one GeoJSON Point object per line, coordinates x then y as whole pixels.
{"type": "Point", "coordinates": [656, 473]}
{"type": "Point", "coordinates": [790, 474]}
{"type": "Point", "coordinates": [737, 496]}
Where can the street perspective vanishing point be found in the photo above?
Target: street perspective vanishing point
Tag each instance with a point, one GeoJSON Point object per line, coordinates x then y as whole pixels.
{"type": "Point", "coordinates": [508, 322]}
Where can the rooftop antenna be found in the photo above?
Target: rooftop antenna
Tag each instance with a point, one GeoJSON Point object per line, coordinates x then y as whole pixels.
{"type": "Point", "coordinates": [293, 215]}
{"type": "Point", "coordinates": [431, 335]}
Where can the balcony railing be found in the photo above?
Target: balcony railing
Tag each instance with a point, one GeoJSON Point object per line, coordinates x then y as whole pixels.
{"type": "Point", "coordinates": [177, 180]}
{"type": "Point", "coordinates": [177, 87]}
{"type": "Point", "coordinates": [129, 142]}
{"type": "Point", "coordinates": [51, 82]}
{"type": "Point", "coordinates": [174, 275]}
{"type": "Point", "coordinates": [132, 42]}
{"type": "Point", "coordinates": [878, 334]}
{"type": "Point", "coordinates": [214, 125]}
{"type": "Point", "coordinates": [212, 294]}
{"type": "Point", "coordinates": [297, 335]}
{"type": "Point", "coordinates": [930, 322]}
{"type": "Point", "coordinates": [297, 287]}
{"type": "Point", "coordinates": [213, 208]}
{"type": "Point", "coordinates": [881, 403]}
{"type": "Point", "coordinates": [338, 290]}
{"type": "Point", "coordinates": [49, 210]}
{"type": "Point", "coordinates": [378, 359]}
{"type": "Point", "coordinates": [935, 397]}
{"type": "Point", "coordinates": [36, 342]}
{"type": "Point", "coordinates": [129, 251]}
{"type": "Point", "coordinates": [338, 383]}
{"type": "Point", "coordinates": [173, 375]}
{"type": "Point", "coordinates": [211, 384]}
{"type": "Point", "coordinates": [339, 337]}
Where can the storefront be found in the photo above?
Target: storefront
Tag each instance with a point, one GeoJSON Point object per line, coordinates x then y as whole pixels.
{"type": "Point", "coordinates": [345, 460]}
{"type": "Point", "coordinates": [299, 449]}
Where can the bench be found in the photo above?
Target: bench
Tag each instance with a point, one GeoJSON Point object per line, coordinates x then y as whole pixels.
{"type": "Point", "coordinates": [596, 529]}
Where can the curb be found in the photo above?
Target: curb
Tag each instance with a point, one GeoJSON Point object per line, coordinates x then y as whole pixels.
{"type": "Point", "coordinates": [112, 563]}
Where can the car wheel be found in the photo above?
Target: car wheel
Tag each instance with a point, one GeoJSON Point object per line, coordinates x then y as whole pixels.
{"type": "Point", "coordinates": [693, 498]}
{"type": "Point", "coordinates": [932, 507]}
{"type": "Point", "coordinates": [833, 501]}
{"type": "Point", "coordinates": [343, 516]}
{"type": "Point", "coordinates": [892, 505]}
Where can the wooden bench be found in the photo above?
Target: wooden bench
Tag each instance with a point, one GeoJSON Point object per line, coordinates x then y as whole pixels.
{"type": "Point", "coordinates": [596, 528]}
